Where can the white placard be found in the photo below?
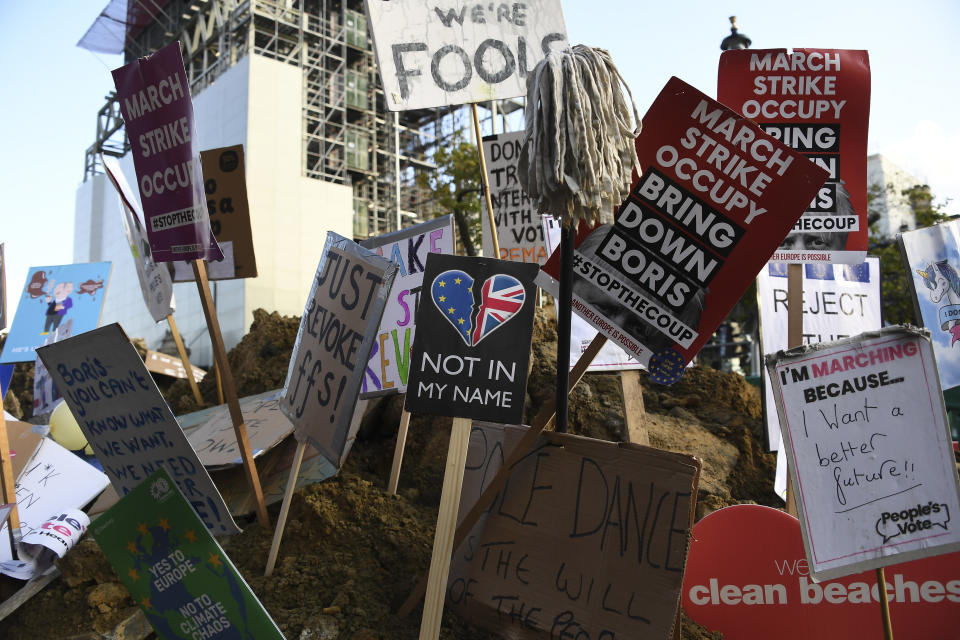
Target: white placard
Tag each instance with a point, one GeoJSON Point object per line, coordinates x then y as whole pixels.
{"type": "Point", "coordinates": [216, 443]}
{"type": "Point", "coordinates": [216, 270]}
{"type": "Point", "coordinates": [434, 54]}
{"type": "Point", "coordinates": [869, 451]}
{"type": "Point", "coordinates": [839, 301]}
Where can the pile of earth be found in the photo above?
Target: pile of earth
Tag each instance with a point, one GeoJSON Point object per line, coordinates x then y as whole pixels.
{"type": "Point", "coordinates": [352, 552]}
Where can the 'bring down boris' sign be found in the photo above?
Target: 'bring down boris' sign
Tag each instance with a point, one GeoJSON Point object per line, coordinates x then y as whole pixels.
{"type": "Point", "coordinates": [716, 198]}
{"type": "Point", "coordinates": [869, 452]}
{"type": "Point", "coordinates": [336, 334]}
{"type": "Point", "coordinates": [432, 54]}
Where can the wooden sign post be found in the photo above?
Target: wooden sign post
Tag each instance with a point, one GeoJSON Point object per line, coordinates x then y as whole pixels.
{"type": "Point", "coordinates": [794, 339]}
{"type": "Point", "coordinates": [182, 350]}
{"type": "Point", "coordinates": [7, 480]}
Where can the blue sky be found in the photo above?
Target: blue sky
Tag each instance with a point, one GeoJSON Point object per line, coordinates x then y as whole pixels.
{"type": "Point", "coordinates": [52, 90]}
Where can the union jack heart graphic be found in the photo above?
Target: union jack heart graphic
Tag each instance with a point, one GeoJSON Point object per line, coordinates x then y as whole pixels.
{"type": "Point", "coordinates": [500, 298]}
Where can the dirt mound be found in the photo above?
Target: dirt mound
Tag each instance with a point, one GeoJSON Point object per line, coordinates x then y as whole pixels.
{"type": "Point", "coordinates": [351, 553]}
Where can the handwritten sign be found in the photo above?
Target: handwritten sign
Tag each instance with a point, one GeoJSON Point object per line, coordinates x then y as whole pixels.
{"type": "Point", "coordinates": [472, 359]}
{"type": "Point", "coordinates": [127, 421]}
{"type": "Point", "coordinates": [587, 540]}
{"type": "Point", "coordinates": [154, 97]}
{"type": "Point", "coordinates": [519, 228]}
{"type": "Point", "coordinates": [389, 365]}
{"type": "Point", "coordinates": [215, 442]}
{"type": "Point", "coordinates": [868, 450]}
{"type": "Point", "coordinates": [336, 335]}
{"type": "Point", "coordinates": [816, 101]}
{"type": "Point", "coordinates": [747, 577]}
{"type": "Point", "coordinates": [432, 54]}
{"type": "Point", "coordinates": [838, 301]}
{"type": "Point", "coordinates": [178, 575]}
{"type": "Point", "coordinates": [715, 199]}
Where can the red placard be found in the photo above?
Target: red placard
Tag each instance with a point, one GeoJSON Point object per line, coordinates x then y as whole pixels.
{"type": "Point", "coordinates": [747, 577]}
{"type": "Point", "coordinates": [716, 198]}
{"type": "Point", "coordinates": [818, 102]}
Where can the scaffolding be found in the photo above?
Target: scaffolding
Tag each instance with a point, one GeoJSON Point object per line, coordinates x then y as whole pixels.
{"type": "Point", "coordinates": [348, 135]}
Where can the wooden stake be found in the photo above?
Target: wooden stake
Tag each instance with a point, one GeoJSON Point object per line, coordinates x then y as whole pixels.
{"type": "Point", "coordinates": [500, 478]}
{"type": "Point", "coordinates": [633, 409]}
{"type": "Point", "coordinates": [483, 181]}
{"type": "Point", "coordinates": [564, 304]}
{"type": "Point", "coordinates": [7, 481]}
{"type": "Point", "coordinates": [398, 452]}
{"type": "Point", "coordinates": [884, 605]}
{"type": "Point", "coordinates": [185, 360]}
{"type": "Point", "coordinates": [285, 507]}
{"type": "Point", "coordinates": [443, 538]}
{"type": "Point", "coordinates": [233, 403]}
{"type": "Point", "coordinates": [794, 339]}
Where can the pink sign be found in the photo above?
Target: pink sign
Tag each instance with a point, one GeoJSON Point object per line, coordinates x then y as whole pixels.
{"type": "Point", "coordinates": [155, 101]}
{"type": "Point", "coordinates": [747, 577]}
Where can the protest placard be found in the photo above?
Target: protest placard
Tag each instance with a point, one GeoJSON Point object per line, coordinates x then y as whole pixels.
{"type": "Point", "coordinates": [126, 420]}
{"type": "Point", "coordinates": [868, 450]}
{"type": "Point", "coordinates": [45, 394]}
{"type": "Point", "coordinates": [932, 259]}
{"type": "Point", "coordinates": [432, 55]}
{"type": "Point", "coordinates": [839, 301]}
{"type": "Point", "coordinates": [816, 101]}
{"type": "Point", "coordinates": [178, 575]}
{"type": "Point", "coordinates": [52, 296]}
{"type": "Point", "coordinates": [588, 539]}
{"type": "Point", "coordinates": [167, 365]}
{"type": "Point", "coordinates": [389, 365]}
{"type": "Point", "coordinates": [154, 97]}
{"type": "Point", "coordinates": [472, 361]}
{"type": "Point", "coordinates": [716, 197]}
{"type": "Point", "coordinates": [155, 283]}
{"type": "Point", "coordinates": [266, 426]}
{"type": "Point", "coordinates": [225, 185]}
{"type": "Point", "coordinates": [747, 577]}
{"type": "Point", "coordinates": [519, 228]}
{"type": "Point", "coordinates": [336, 335]}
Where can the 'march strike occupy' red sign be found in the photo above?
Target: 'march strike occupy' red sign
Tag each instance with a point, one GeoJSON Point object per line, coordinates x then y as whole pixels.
{"type": "Point", "coordinates": [816, 101]}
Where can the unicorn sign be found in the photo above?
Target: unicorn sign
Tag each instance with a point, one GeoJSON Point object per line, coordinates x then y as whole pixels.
{"type": "Point", "coordinates": [932, 256]}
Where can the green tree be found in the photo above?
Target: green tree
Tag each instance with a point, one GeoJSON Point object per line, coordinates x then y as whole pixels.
{"type": "Point", "coordinates": [456, 186]}
{"type": "Point", "coordinates": [895, 287]}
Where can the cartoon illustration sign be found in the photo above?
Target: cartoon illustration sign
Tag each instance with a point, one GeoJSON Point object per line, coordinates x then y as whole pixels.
{"type": "Point", "coordinates": [178, 575]}
{"type": "Point", "coordinates": [816, 101]}
{"type": "Point", "coordinates": [716, 197]}
{"type": "Point", "coordinates": [389, 365]}
{"type": "Point", "coordinates": [868, 450]}
{"type": "Point", "coordinates": [471, 360]}
{"type": "Point", "coordinates": [431, 55]}
{"type": "Point", "coordinates": [932, 257]}
{"type": "Point", "coordinates": [154, 97]}
{"type": "Point", "coordinates": [51, 296]}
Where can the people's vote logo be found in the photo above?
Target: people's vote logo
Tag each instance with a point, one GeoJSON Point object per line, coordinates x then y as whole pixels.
{"type": "Point", "coordinates": [475, 317]}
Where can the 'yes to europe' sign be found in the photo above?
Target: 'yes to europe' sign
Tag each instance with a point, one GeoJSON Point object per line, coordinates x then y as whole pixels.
{"type": "Point", "coordinates": [432, 54]}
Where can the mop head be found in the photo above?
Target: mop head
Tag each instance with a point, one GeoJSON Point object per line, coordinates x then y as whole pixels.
{"type": "Point", "coordinates": [578, 151]}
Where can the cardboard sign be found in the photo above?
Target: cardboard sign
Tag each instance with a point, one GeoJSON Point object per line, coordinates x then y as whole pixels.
{"type": "Point", "coordinates": [51, 296]}
{"type": "Point", "coordinates": [23, 441]}
{"type": "Point", "coordinates": [155, 283]}
{"type": "Point", "coordinates": [839, 301]}
{"type": "Point", "coordinates": [126, 420]}
{"type": "Point", "coordinates": [816, 101]}
{"type": "Point", "coordinates": [519, 228]}
{"type": "Point", "coordinates": [45, 394]}
{"type": "Point", "coordinates": [431, 55]}
{"type": "Point", "coordinates": [587, 540]}
{"type": "Point", "coordinates": [154, 97]}
{"type": "Point", "coordinates": [389, 366]}
{"type": "Point", "coordinates": [215, 442]}
{"type": "Point", "coordinates": [715, 199]}
{"type": "Point", "coordinates": [225, 184]}
{"type": "Point", "coordinates": [175, 571]}
{"type": "Point", "coordinates": [172, 366]}
{"type": "Point", "coordinates": [747, 578]}
{"type": "Point", "coordinates": [336, 335]}
{"type": "Point", "coordinates": [53, 479]}
{"type": "Point", "coordinates": [472, 359]}
{"type": "Point", "coordinates": [869, 451]}
{"type": "Point", "coordinates": [932, 256]}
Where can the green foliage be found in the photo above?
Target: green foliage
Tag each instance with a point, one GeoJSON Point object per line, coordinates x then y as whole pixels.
{"type": "Point", "coordinates": [456, 186]}
{"type": "Point", "coordinates": [895, 288]}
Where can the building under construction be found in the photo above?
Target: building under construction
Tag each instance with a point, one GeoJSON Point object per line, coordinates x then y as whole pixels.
{"type": "Point", "coordinates": [295, 82]}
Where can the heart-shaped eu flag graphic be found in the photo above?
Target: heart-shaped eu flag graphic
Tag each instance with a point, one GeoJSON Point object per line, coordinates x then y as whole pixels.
{"type": "Point", "coordinates": [452, 292]}
{"type": "Point", "coordinates": [500, 299]}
